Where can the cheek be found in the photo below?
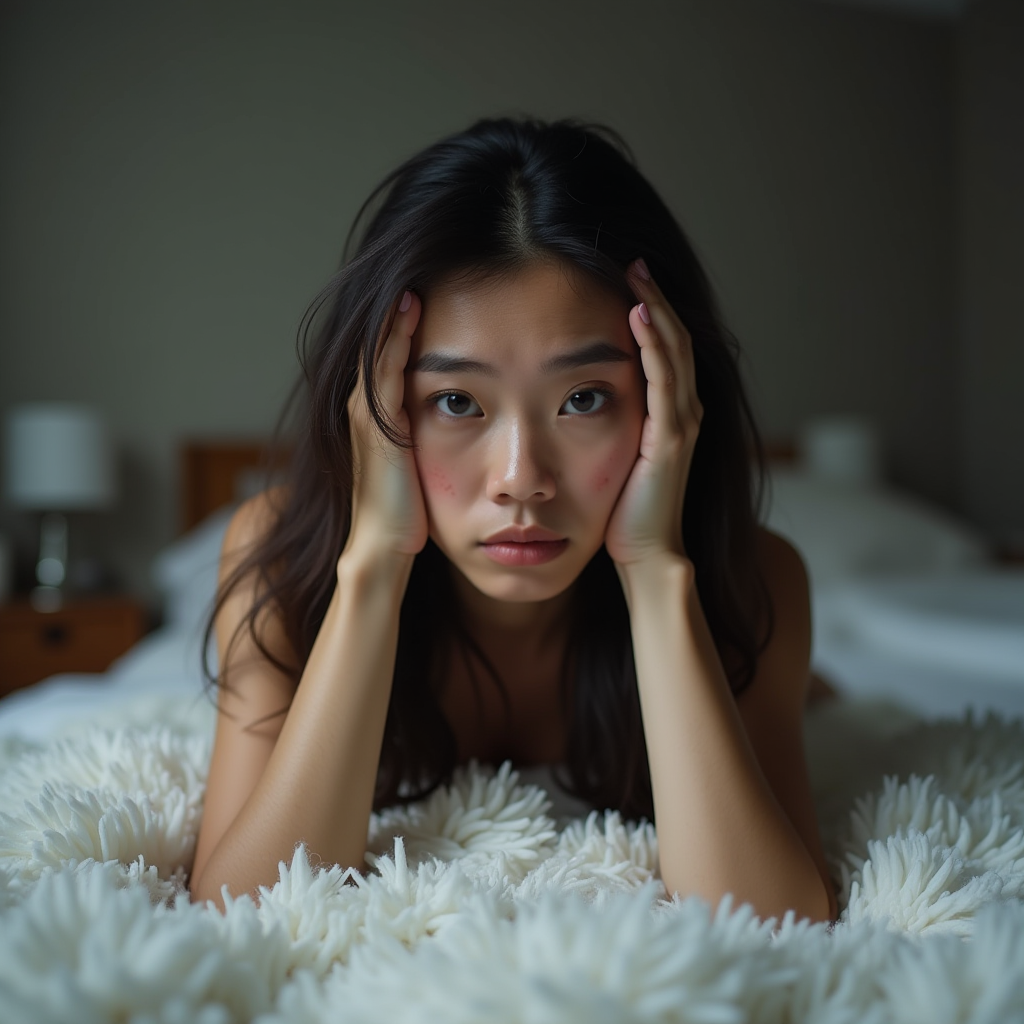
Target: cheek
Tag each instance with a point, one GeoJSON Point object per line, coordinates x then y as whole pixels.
{"type": "Point", "coordinates": [435, 478]}
{"type": "Point", "coordinates": [438, 474]}
{"type": "Point", "coordinates": [601, 479]}
{"type": "Point", "coordinates": [615, 460]}
{"type": "Point", "coordinates": [612, 470]}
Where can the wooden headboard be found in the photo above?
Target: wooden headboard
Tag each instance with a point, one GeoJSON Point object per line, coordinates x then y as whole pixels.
{"type": "Point", "coordinates": [218, 473]}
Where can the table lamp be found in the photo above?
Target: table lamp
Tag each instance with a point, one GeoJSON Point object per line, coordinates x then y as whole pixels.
{"type": "Point", "coordinates": [59, 459]}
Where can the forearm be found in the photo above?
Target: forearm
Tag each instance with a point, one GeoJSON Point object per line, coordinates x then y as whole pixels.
{"type": "Point", "coordinates": [319, 782]}
{"type": "Point", "coordinates": [720, 827]}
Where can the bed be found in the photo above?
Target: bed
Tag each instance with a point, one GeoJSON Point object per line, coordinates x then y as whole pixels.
{"type": "Point", "coordinates": [918, 775]}
{"type": "Point", "coordinates": [908, 603]}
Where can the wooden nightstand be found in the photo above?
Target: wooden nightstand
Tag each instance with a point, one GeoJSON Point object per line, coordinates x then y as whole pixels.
{"type": "Point", "coordinates": [85, 635]}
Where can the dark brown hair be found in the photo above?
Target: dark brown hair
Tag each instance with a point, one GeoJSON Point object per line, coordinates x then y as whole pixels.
{"type": "Point", "coordinates": [484, 202]}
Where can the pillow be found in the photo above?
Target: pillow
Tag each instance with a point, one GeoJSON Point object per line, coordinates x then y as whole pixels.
{"type": "Point", "coordinates": [845, 530]}
{"type": "Point", "coordinates": [185, 572]}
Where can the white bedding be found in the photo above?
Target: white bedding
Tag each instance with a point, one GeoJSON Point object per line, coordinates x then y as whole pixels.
{"type": "Point", "coordinates": [166, 662]}
{"type": "Point", "coordinates": [477, 907]}
{"type": "Point", "coordinates": [915, 640]}
{"type": "Point", "coordinates": [906, 604]}
{"type": "Point", "coordinates": [487, 903]}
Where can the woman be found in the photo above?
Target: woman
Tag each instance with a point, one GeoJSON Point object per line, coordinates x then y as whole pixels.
{"type": "Point", "coordinates": [527, 456]}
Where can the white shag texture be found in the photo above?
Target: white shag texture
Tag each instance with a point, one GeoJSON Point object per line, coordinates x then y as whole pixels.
{"type": "Point", "coordinates": [475, 907]}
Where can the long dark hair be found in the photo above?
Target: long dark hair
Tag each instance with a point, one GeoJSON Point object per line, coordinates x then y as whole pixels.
{"type": "Point", "coordinates": [489, 201]}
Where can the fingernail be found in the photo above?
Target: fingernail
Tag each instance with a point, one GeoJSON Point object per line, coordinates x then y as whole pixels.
{"type": "Point", "coordinates": [406, 302]}
{"type": "Point", "coordinates": [644, 313]}
{"type": "Point", "coordinates": [642, 271]}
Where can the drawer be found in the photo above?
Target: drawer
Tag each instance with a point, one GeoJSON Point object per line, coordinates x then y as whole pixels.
{"type": "Point", "coordinates": [78, 638]}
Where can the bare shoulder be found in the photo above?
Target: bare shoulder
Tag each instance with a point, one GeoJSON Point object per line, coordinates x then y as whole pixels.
{"type": "Point", "coordinates": [780, 562]}
{"type": "Point", "coordinates": [247, 529]}
{"type": "Point", "coordinates": [782, 571]}
{"type": "Point", "coordinates": [253, 519]}
{"type": "Point", "coordinates": [784, 575]}
{"type": "Point", "coordinates": [784, 664]}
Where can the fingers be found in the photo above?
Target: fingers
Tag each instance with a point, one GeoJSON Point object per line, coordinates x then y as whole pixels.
{"type": "Point", "coordinates": [661, 382]}
{"type": "Point", "coordinates": [389, 382]}
{"type": "Point", "coordinates": [393, 355]}
{"type": "Point", "coordinates": [667, 340]}
{"type": "Point", "coordinates": [390, 357]}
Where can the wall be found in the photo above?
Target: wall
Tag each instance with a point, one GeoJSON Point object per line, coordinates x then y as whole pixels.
{"type": "Point", "coordinates": [178, 181]}
{"type": "Point", "coordinates": [990, 166]}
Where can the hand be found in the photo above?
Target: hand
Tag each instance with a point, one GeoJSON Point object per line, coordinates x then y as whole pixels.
{"type": "Point", "coordinates": [388, 512]}
{"type": "Point", "coordinates": [647, 521]}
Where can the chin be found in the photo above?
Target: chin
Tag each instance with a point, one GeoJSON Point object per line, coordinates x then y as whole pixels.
{"type": "Point", "coordinates": [521, 591]}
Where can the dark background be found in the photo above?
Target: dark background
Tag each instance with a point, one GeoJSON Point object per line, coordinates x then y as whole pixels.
{"type": "Point", "coordinates": [177, 181]}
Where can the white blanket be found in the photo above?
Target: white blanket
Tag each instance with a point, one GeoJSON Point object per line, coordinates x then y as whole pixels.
{"type": "Point", "coordinates": [475, 906]}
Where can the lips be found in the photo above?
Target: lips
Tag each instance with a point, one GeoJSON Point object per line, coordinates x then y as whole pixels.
{"type": "Point", "coordinates": [523, 535]}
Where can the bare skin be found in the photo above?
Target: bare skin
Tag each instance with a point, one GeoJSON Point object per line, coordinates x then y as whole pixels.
{"type": "Point", "coordinates": [517, 445]}
{"type": "Point", "coordinates": [520, 446]}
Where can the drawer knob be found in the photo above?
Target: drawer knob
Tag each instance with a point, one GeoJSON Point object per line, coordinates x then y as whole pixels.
{"type": "Point", "coordinates": [55, 635]}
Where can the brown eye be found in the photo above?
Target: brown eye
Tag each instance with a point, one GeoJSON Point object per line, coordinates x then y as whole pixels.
{"type": "Point", "coordinates": [452, 404]}
{"type": "Point", "coordinates": [590, 401]}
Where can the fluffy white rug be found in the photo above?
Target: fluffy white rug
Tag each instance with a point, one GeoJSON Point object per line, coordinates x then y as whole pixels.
{"type": "Point", "coordinates": [477, 908]}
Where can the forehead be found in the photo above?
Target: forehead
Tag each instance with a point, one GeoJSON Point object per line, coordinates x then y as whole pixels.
{"type": "Point", "coordinates": [543, 306]}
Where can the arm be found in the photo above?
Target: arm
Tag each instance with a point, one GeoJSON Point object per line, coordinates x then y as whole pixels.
{"type": "Point", "coordinates": [722, 825]}
{"type": "Point", "coordinates": [318, 782]}
{"type": "Point", "coordinates": [313, 781]}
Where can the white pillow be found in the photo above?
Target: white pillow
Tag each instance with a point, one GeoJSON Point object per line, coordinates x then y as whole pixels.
{"type": "Point", "coordinates": [185, 572]}
{"type": "Point", "coordinates": [845, 530]}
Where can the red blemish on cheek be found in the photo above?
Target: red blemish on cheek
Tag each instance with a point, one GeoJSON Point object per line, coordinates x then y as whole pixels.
{"type": "Point", "coordinates": [436, 481]}
{"type": "Point", "coordinates": [616, 467]}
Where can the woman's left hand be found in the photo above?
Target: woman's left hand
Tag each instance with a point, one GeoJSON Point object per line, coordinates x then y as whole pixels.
{"type": "Point", "coordinates": [646, 524]}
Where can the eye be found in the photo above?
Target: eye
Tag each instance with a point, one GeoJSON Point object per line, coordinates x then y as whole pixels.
{"type": "Point", "coordinates": [586, 398]}
{"type": "Point", "coordinates": [585, 402]}
{"type": "Point", "coordinates": [452, 404]}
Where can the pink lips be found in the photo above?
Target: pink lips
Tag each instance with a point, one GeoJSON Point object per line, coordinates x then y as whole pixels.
{"type": "Point", "coordinates": [523, 535]}
{"type": "Point", "coordinates": [524, 545]}
{"type": "Point", "coordinates": [532, 553]}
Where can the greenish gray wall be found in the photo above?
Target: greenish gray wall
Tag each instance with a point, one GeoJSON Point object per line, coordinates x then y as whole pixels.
{"type": "Point", "coordinates": [990, 135]}
{"type": "Point", "coordinates": [178, 179]}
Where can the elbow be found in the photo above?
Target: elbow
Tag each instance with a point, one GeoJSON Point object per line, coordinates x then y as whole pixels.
{"type": "Point", "coordinates": [833, 903]}
{"type": "Point", "coordinates": [200, 893]}
{"type": "Point", "coordinates": [196, 891]}
{"type": "Point", "coordinates": [826, 906]}
{"type": "Point", "coordinates": [203, 882]}
{"type": "Point", "coordinates": [820, 907]}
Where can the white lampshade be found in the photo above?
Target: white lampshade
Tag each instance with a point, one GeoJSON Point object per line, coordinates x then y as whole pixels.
{"type": "Point", "coordinates": [59, 458]}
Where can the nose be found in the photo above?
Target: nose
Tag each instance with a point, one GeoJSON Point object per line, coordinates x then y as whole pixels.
{"type": "Point", "coordinates": [517, 473]}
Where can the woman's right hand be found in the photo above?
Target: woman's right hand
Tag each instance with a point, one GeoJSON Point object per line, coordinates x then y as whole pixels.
{"type": "Point", "coordinates": [388, 513]}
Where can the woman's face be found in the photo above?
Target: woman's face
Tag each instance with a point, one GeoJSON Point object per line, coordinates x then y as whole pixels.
{"type": "Point", "coordinates": [513, 441]}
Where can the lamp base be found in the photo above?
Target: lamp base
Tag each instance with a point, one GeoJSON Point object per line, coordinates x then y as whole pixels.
{"type": "Point", "coordinates": [46, 599]}
{"type": "Point", "coordinates": [51, 568]}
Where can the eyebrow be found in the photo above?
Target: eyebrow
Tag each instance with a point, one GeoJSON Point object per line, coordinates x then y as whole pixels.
{"type": "Point", "coordinates": [589, 355]}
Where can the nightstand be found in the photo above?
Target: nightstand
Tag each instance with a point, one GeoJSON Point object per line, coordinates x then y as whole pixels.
{"type": "Point", "coordinates": [85, 635]}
